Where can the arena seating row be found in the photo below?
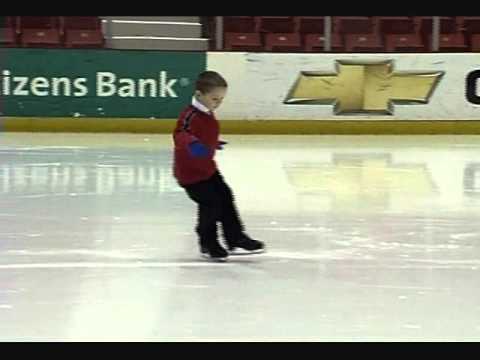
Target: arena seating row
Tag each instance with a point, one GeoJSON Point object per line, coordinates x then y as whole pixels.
{"type": "Point", "coordinates": [270, 33]}
{"type": "Point", "coordinates": [51, 31]}
{"type": "Point", "coordinates": [350, 33]}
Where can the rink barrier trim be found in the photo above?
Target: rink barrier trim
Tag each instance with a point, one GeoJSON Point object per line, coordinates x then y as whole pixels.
{"type": "Point", "coordinates": [255, 127]}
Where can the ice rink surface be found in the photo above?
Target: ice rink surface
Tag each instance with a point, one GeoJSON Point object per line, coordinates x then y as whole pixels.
{"type": "Point", "coordinates": [369, 238]}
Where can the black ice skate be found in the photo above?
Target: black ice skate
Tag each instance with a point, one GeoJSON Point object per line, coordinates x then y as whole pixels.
{"type": "Point", "coordinates": [246, 246]}
{"type": "Point", "coordinates": [214, 252]}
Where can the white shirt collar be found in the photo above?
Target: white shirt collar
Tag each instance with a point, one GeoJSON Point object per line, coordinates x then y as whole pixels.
{"type": "Point", "coordinates": [200, 106]}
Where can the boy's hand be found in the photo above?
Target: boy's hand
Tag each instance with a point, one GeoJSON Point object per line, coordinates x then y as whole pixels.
{"type": "Point", "coordinates": [198, 149]}
{"type": "Point", "coordinates": [220, 144]}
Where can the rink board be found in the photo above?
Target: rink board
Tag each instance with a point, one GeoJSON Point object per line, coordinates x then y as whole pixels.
{"type": "Point", "coordinates": [342, 87]}
{"type": "Point", "coordinates": [268, 93]}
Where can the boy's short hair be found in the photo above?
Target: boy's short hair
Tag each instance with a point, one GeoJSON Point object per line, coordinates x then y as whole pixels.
{"type": "Point", "coordinates": [208, 80]}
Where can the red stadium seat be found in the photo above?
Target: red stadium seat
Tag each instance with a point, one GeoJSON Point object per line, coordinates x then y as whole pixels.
{"type": "Point", "coordinates": [8, 31]}
{"type": "Point", "coordinates": [475, 42]}
{"type": "Point", "coordinates": [470, 24]}
{"type": "Point", "coordinates": [448, 24]}
{"type": "Point", "coordinates": [363, 43]}
{"type": "Point", "coordinates": [450, 43]}
{"type": "Point", "coordinates": [8, 37]}
{"type": "Point", "coordinates": [276, 24]}
{"type": "Point", "coordinates": [243, 42]}
{"type": "Point", "coordinates": [41, 31]}
{"type": "Point", "coordinates": [404, 43]}
{"type": "Point", "coordinates": [395, 24]}
{"type": "Point", "coordinates": [39, 22]}
{"type": "Point", "coordinates": [84, 38]}
{"type": "Point", "coordinates": [315, 43]}
{"type": "Point", "coordinates": [239, 24]}
{"type": "Point", "coordinates": [353, 24]}
{"type": "Point", "coordinates": [82, 22]}
{"type": "Point", "coordinates": [83, 31]}
{"type": "Point", "coordinates": [40, 37]}
{"type": "Point", "coordinates": [311, 24]}
{"type": "Point", "coordinates": [283, 42]}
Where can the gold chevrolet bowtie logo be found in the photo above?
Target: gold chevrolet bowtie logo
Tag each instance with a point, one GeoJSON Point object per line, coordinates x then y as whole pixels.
{"type": "Point", "coordinates": [363, 88]}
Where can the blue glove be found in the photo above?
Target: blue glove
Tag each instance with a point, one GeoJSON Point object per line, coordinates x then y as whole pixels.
{"type": "Point", "coordinates": [198, 149]}
{"type": "Point", "coordinates": [220, 144]}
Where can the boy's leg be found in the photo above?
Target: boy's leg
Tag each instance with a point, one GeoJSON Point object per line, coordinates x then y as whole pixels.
{"type": "Point", "coordinates": [233, 228]}
{"type": "Point", "coordinates": [209, 212]}
{"type": "Point", "coordinates": [206, 226]}
{"type": "Point", "coordinates": [232, 224]}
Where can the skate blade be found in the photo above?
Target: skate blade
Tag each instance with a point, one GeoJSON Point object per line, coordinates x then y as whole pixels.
{"type": "Point", "coordinates": [208, 257]}
{"type": "Point", "coordinates": [243, 252]}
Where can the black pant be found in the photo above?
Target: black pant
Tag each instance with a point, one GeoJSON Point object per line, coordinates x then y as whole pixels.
{"type": "Point", "coordinates": [215, 204]}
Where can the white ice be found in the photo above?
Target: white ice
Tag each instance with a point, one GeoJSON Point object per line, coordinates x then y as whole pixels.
{"type": "Point", "coordinates": [370, 238]}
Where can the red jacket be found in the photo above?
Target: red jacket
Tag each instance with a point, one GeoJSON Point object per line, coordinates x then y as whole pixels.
{"type": "Point", "coordinates": [194, 125]}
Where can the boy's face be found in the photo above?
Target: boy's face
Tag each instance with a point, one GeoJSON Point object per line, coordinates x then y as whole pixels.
{"type": "Point", "coordinates": [212, 99]}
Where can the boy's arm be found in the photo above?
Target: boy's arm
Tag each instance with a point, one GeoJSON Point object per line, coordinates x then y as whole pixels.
{"type": "Point", "coordinates": [184, 138]}
{"type": "Point", "coordinates": [189, 132]}
{"type": "Point", "coordinates": [188, 137]}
